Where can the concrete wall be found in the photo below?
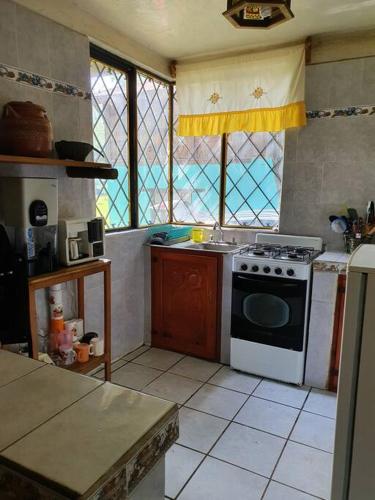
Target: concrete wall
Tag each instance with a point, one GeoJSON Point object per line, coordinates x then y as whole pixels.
{"type": "Point", "coordinates": [329, 163]}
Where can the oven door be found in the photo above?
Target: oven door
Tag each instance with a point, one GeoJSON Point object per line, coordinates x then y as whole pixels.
{"type": "Point", "coordinates": [269, 310]}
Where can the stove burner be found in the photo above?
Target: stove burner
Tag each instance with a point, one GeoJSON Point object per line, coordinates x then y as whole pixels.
{"type": "Point", "coordinates": [258, 252]}
{"type": "Point", "coordinates": [293, 255]}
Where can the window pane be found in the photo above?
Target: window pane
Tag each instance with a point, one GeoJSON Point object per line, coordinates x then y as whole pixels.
{"type": "Point", "coordinates": [110, 124]}
{"type": "Point", "coordinates": [153, 144]}
{"type": "Point", "coordinates": [196, 177]}
{"type": "Point", "coordinates": [253, 179]}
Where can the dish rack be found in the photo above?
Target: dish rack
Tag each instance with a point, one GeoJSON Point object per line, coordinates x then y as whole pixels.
{"type": "Point", "coordinates": [175, 234]}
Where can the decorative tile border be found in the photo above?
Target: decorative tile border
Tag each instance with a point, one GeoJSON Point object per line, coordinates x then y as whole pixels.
{"type": "Point", "coordinates": [41, 82]}
{"type": "Point", "coordinates": [330, 267]}
{"type": "Point", "coordinates": [340, 112]}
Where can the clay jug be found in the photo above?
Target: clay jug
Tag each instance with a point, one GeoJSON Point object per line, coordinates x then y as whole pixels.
{"type": "Point", "coordinates": [25, 130]}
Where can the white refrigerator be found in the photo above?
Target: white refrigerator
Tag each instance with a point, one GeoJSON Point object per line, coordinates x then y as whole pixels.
{"type": "Point", "coordinates": [354, 454]}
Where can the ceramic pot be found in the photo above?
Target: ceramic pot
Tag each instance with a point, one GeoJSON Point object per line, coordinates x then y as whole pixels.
{"type": "Point", "coordinates": [25, 130]}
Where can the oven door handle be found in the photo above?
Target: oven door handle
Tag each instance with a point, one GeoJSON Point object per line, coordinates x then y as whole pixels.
{"type": "Point", "coordinates": [279, 283]}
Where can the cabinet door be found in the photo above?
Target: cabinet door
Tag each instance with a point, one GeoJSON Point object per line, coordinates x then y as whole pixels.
{"type": "Point", "coordinates": [185, 302]}
{"type": "Point", "coordinates": [337, 334]}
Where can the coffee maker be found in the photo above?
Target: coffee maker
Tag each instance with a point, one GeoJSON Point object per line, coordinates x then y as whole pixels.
{"type": "Point", "coordinates": [29, 212]}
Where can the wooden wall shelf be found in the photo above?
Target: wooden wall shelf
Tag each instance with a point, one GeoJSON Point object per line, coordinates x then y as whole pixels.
{"type": "Point", "coordinates": [82, 169]}
{"type": "Point", "coordinates": [53, 162]}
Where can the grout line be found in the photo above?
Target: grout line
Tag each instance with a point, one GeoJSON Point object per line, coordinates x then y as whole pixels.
{"type": "Point", "coordinates": [285, 444]}
{"type": "Point", "coordinates": [53, 416]}
{"type": "Point", "coordinates": [220, 436]}
{"type": "Point", "coordinates": [24, 375]}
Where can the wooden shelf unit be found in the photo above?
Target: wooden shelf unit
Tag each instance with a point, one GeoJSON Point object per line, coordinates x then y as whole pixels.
{"type": "Point", "coordinates": [78, 273]}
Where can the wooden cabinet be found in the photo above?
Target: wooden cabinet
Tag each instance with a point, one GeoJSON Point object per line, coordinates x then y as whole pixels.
{"type": "Point", "coordinates": [337, 334]}
{"type": "Point", "coordinates": [186, 301]}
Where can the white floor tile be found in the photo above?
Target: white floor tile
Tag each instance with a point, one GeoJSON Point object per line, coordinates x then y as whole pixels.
{"type": "Point", "coordinates": [158, 358]}
{"type": "Point", "coordinates": [232, 379]}
{"type": "Point", "coordinates": [137, 352]}
{"type": "Point", "coordinates": [135, 376]}
{"type": "Point", "coordinates": [173, 387]}
{"type": "Point", "coordinates": [276, 491]}
{"type": "Point", "coordinates": [180, 463]}
{"type": "Point", "coordinates": [306, 469]}
{"type": "Point", "coordinates": [249, 448]}
{"type": "Point", "coordinates": [220, 481]}
{"type": "Point", "coordinates": [199, 430]}
{"type": "Point", "coordinates": [268, 416]}
{"type": "Point", "coordinates": [314, 430]}
{"type": "Point", "coordinates": [217, 401]}
{"type": "Point", "coordinates": [322, 403]}
{"type": "Point", "coordinates": [197, 369]}
{"type": "Point", "coordinates": [282, 393]}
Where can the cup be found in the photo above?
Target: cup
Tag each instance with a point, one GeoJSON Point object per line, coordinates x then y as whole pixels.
{"type": "Point", "coordinates": [55, 296]}
{"type": "Point", "coordinates": [197, 234]}
{"type": "Point", "coordinates": [83, 352]}
{"type": "Point", "coordinates": [56, 311]}
{"type": "Point", "coordinates": [97, 347]}
{"type": "Point", "coordinates": [56, 325]}
{"type": "Point", "coordinates": [67, 354]}
{"type": "Point", "coordinates": [65, 338]}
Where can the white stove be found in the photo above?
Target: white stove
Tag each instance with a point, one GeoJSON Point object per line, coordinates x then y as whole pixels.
{"type": "Point", "coordinates": [271, 304]}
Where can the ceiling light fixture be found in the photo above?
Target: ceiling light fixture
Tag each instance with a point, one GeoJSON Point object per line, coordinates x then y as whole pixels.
{"type": "Point", "coordinates": [258, 14]}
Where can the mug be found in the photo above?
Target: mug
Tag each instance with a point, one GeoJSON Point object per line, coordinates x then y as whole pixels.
{"type": "Point", "coordinates": [83, 352]}
{"type": "Point", "coordinates": [76, 327]}
{"type": "Point", "coordinates": [67, 354]}
{"type": "Point", "coordinates": [97, 347]}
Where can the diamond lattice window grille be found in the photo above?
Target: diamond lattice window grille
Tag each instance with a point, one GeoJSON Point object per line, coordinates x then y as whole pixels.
{"type": "Point", "coordinates": [196, 177]}
{"type": "Point", "coordinates": [253, 179]}
{"type": "Point", "coordinates": [153, 150]}
{"type": "Point", "coordinates": [110, 135]}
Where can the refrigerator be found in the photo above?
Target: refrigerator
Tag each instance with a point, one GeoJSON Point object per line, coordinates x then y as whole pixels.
{"type": "Point", "coordinates": [354, 452]}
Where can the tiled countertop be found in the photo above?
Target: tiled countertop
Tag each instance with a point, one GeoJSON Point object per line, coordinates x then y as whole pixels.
{"type": "Point", "coordinates": [333, 262]}
{"type": "Point", "coordinates": [70, 436]}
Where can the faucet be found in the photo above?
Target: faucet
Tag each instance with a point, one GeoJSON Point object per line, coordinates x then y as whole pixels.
{"type": "Point", "coordinates": [217, 233]}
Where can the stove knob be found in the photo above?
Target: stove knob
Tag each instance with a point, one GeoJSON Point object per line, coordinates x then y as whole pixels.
{"type": "Point", "coordinates": [266, 269]}
{"type": "Point", "coordinates": [244, 267]}
{"type": "Point", "coordinates": [278, 270]}
{"type": "Point", "coordinates": [255, 269]}
{"type": "Point", "coordinates": [290, 272]}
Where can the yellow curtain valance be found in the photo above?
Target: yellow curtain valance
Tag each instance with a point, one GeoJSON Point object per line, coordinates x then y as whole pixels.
{"type": "Point", "coordinates": [262, 92]}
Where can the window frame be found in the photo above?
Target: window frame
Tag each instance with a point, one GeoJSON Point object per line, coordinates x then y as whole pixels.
{"type": "Point", "coordinates": [131, 70]}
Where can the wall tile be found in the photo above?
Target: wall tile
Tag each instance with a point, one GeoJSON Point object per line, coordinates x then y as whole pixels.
{"type": "Point", "coordinates": [8, 45]}
{"type": "Point", "coordinates": [68, 56]}
{"type": "Point", "coordinates": [317, 90]}
{"type": "Point", "coordinates": [368, 85]}
{"type": "Point", "coordinates": [319, 344]}
{"type": "Point", "coordinates": [325, 287]}
{"type": "Point", "coordinates": [66, 118]}
{"type": "Point", "coordinates": [346, 82]}
{"type": "Point", "coordinates": [32, 41]}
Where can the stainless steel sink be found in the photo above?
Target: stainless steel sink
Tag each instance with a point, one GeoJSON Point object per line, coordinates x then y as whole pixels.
{"type": "Point", "coordinates": [220, 246]}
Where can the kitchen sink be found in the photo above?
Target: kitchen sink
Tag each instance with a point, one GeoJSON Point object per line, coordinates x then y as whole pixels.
{"type": "Point", "coordinates": [220, 246]}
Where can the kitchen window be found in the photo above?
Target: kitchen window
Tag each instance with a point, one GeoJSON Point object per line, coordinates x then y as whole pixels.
{"type": "Point", "coordinates": [153, 150]}
{"type": "Point", "coordinates": [234, 179]}
{"type": "Point", "coordinates": [109, 89]}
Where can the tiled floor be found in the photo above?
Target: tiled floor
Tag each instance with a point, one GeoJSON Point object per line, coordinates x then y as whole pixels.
{"type": "Point", "coordinates": [241, 437]}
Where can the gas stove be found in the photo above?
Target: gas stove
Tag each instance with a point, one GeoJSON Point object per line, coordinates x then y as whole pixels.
{"type": "Point", "coordinates": [271, 288]}
{"type": "Point", "coordinates": [290, 253]}
{"type": "Point", "coordinates": [279, 255]}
